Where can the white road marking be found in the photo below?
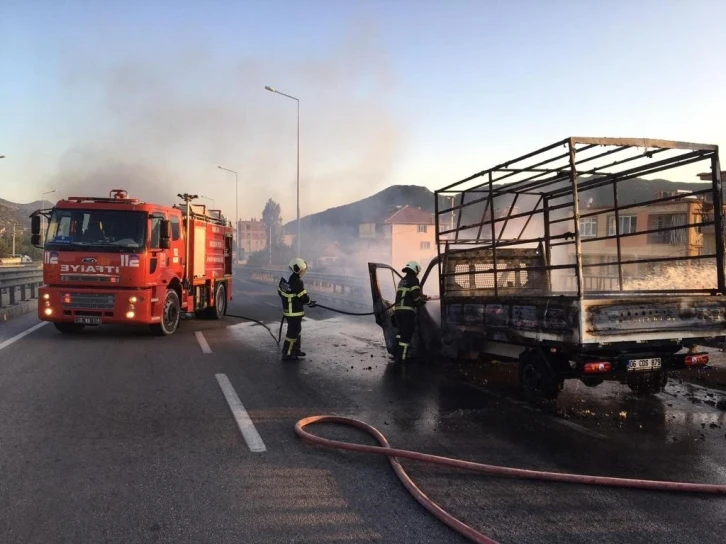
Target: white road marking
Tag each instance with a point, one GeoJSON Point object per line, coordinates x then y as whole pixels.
{"type": "Point", "coordinates": [273, 305]}
{"type": "Point", "coordinates": [202, 342]}
{"type": "Point", "coordinates": [253, 439]}
{"type": "Point", "coordinates": [17, 337]}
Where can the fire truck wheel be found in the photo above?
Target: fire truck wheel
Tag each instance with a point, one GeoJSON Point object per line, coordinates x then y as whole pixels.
{"type": "Point", "coordinates": [170, 315]}
{"type": "Point", "coordinates": [220, 303]}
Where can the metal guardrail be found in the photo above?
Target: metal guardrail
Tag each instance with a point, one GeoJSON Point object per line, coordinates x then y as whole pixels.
{"type": "Point", "coordinates": [19, 280]}
{"type": "Point", "coordinates": [343, 289]}
{"type": "Point", "coordinates": [21, 265]}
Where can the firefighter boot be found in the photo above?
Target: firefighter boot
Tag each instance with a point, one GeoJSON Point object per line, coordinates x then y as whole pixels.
{"type": "Point", "coordinates": [297, 350]}
{"type": "Point", "coordinates": [288, 350]}
{"type": "Point", "coordinates": [405, 354]}
{"type": "Point", "coordinates": [399, 354]}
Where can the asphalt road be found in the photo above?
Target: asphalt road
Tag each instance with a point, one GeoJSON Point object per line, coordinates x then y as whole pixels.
{"type": "Point", "coordinates": [118, 436]}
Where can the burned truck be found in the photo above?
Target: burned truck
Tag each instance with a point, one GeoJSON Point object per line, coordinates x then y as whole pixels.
{"type": "Point", "coordinates": [582, 260]}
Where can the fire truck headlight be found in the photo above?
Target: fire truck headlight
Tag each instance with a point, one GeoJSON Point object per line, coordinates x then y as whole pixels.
{"type": "Point", "coordinates": [48, 311]}
{"type": "Point", "coordinates": [46, 296]}
{"type": "Point", "coordinates": [133, 299]}
{"type": "Point", "coordinates": [130, 314]}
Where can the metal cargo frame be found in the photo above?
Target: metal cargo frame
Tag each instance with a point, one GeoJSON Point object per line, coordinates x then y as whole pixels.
{"type": "Point", "coordinates": [471, 230]}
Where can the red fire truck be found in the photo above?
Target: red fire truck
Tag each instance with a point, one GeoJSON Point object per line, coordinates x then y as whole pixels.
{"type": "Point", "coordinates": [119, 260]}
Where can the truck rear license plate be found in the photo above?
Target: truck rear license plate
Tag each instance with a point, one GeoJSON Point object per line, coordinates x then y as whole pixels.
{"type": "Point", "coordinates": [635, 365]}
{"type": "Point", "coordinates": [85, 320]}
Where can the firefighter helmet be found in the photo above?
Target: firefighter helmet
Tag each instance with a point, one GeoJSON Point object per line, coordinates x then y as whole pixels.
{"type": "Point", "coordinates": [298, 265]}
{"type": "Point", "coordinates": [413, 266]}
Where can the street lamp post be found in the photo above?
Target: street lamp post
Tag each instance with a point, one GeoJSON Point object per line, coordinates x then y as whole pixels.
{"type": "Point", "coordinates": [42, 218]}
{"type": "Point", "coordinates": [236, 207]}
{"type": "Point", "coordinates": [273, 90]}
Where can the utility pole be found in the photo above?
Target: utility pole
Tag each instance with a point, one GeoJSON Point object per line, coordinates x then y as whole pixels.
{"type": "Point", "coordinates": [13, 253]}
{"type": "Point", "coordinates": [269, 246]}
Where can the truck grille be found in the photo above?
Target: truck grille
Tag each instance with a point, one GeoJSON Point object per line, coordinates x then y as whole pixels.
{"type": "Point", "coordinates": [88, 278]}
{"type": "Point", "coordinates": [96, 301]}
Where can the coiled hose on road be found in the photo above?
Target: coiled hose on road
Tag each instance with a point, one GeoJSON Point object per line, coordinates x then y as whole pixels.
{"type": "Point", "coordinates": [460, 527]}
{"type": "Point", "coordinates": [394, 453]}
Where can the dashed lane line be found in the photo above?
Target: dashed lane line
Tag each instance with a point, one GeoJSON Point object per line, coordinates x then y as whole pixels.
{"type": "Point", "coordinates": [202, 342]}
{"type": "Point", "coordinates": [249, 433]}
{"type": "Point", "coordinates": [26, 332]}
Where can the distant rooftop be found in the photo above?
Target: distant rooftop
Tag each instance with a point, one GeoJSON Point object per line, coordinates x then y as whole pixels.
{"type": "Point", "coordinates": [706, 176]}
{"type": "Point", "coordinates": [410, 216]}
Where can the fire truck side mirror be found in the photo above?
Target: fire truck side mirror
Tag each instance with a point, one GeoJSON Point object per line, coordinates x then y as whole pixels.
{"type": "Point", "coordinates": [35, 240]}
{"type": "Point", "coordinates": [165, 238]}
{"type": "Point", "coordinates": [35, 225]}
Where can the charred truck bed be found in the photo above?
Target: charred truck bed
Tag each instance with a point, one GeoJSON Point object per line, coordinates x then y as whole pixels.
{"type": "Point", "coordinates": [570, 260]}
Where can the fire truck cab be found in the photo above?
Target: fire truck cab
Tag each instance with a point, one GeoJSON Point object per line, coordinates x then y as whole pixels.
{"type": "Point", "coordinates": [119, 260]}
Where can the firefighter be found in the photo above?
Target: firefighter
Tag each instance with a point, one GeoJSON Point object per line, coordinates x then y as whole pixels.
{"type": "Point", "coordinates": [294, 298]}
{"type": "Point", "coordinates": [408, 300]}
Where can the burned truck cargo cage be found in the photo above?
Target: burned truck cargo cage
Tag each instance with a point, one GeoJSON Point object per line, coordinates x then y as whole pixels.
{"type": "Point", "coordinates": [589, 250]}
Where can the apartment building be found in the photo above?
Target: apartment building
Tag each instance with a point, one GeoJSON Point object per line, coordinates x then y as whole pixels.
{"type": "Point", "coordinates": [667, 244]}
{"type": "Point", "coordinates": [405, 234]}
{"type": "Point", "coordinates": [252, 236]}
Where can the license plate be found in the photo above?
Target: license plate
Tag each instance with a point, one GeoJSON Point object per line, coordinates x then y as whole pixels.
{"type": "Point", "coordinates": [636, 365]}
{"type": "Point", "coordinates": [85, 320]}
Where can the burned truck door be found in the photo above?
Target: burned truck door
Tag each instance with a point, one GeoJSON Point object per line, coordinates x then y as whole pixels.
{"type": "Point", "coordinates": [426, 340]}
{"type": "Point", "coordinates": [384, 319]}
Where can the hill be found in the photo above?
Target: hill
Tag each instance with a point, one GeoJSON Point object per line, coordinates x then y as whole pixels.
{"type": "Point", "coordinates": [369, 209]}
{"type": "Point", "coordinates": [342, 221]}
{"type": "Point", "coordinates": [10, 213]}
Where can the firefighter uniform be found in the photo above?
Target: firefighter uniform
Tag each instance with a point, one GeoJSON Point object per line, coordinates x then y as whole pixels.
{"type": "Point", "coordinates": [294, 298]}
{"type": "Point", "coordinates": [408, 299]}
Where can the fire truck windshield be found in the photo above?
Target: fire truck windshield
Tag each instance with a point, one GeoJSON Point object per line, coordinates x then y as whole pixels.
{"type": "Point", "coordinates": [112, 230]}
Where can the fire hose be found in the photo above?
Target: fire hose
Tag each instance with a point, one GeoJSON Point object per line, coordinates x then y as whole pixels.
{"type": "Point", "coordinates": [394, 454]}
{"type": "Point", "coordinates": [442, 515]}
{"type": "Point", "coordinates": [279, 332]}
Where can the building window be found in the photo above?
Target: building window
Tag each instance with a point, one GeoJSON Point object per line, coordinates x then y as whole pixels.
{"type": "Point", "coordinates": [422, 228]}
{"type": "Point", "coordinates": [425, 245]}
{"type": "Point", "coordinates": [628, 224]}
{"type": "Point", "coordinates": [588, 227]}
{"type": "Point", "coordinates": [367, 230]}
{"type": "Point", "coordinates": [673, 237]}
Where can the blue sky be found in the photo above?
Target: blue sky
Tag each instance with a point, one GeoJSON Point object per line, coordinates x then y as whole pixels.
{"type": "Point", "coordinates": [153, 95]}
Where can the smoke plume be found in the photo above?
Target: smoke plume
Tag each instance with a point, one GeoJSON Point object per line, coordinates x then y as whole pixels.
{"type": "Point", "coordinates": [164, 120]}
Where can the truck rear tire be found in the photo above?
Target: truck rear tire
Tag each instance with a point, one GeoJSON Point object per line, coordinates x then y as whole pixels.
{"type": "Point", "coordinates": [170, 315]}
{"type": "Point", "coordinates": [69, 328]}
{"type": "Point", "coordinates": [220, 303]}
{"type": "Point", "coordinates": [649, 385]}
{"type": "Point", "coordinates": [538, 378]}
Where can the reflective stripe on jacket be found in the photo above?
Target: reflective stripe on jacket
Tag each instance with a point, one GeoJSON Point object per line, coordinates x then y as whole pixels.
{"type": "Point", "coordinates": [408, 294]}
{"type": "Point", "coordinates": [293, 295]}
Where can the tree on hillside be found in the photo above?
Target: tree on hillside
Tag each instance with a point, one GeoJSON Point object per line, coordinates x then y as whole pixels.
{"type": "Point", "coordinates": [22, 245]}
{"type": "Point", "coordinates": [273, 221]}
